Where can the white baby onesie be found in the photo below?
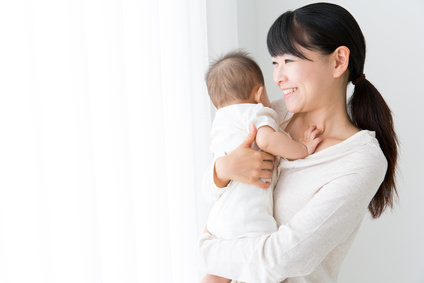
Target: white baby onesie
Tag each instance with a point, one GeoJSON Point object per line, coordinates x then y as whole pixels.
{"type": "Point", "coordinates": [240, 209]}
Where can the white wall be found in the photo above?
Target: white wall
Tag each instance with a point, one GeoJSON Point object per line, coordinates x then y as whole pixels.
{"type": "Point", "coordinates": [389, 249]}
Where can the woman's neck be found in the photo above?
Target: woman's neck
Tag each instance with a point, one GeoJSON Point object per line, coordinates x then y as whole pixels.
{"type": "Point", "coordinates": [334, 123]}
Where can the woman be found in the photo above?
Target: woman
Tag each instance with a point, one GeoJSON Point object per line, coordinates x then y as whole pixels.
{"type": "Point", "coordinates": [319, 201]}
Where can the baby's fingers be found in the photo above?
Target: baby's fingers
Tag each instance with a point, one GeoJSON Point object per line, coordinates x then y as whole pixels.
{"type": "Point", "coordinates": [311, 132]}
{"type": "Point", "coordinates": [316, 142]}
{"type": "Point", "coordinates": [315, 132]}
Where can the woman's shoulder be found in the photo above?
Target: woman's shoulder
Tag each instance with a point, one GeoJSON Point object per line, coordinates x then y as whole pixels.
{"type": "Point", "coordinates": [367, 149]}
{"type": "Point", "coordinates": [361, 155]}
{"type": "Point", "coordinates": [363, 145]}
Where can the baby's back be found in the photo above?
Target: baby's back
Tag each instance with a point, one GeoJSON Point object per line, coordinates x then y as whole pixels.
{"type": "Point", "coordinates": [242, 209]}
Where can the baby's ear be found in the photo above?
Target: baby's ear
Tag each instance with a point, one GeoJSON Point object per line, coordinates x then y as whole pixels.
{"type": "Point", "coordinates": [258, 94]}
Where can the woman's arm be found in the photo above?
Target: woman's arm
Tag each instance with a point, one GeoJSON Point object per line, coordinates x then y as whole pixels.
{"type": "Point", "coordinates": [243, 165]}
{"type": "Point", "coordinates": [331, 216]}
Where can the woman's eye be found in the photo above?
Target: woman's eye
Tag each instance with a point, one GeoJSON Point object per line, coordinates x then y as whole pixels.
{"type": "Point", "coordinates": [287, 61]}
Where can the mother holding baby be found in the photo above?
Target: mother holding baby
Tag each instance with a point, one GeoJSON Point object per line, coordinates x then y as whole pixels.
{"type": "Point", "coordinates": [319, 201]}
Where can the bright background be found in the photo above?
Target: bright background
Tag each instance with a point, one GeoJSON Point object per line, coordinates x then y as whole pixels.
{"type": "Point", "coordinates": [104, 138]}
{"type": "Point", "coordinates": [104, 134]}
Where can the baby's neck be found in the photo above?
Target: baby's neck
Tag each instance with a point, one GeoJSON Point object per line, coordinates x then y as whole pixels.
{"type": "Point", "coordinates": [233, 102]}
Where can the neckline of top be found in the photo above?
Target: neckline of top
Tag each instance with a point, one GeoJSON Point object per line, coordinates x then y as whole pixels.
{"type": "Point", "coordinates": [361, 137]}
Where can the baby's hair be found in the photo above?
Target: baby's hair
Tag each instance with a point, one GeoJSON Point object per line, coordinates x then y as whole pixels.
{"type": "Point", "coordinates": [232, 78]}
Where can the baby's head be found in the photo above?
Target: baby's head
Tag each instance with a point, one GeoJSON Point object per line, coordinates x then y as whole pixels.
{"type": "Point", "coordinates": [236, 78]}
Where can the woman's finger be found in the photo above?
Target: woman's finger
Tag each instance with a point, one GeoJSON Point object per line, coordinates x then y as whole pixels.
{"type": "Point", "coordinates": [261, 184]}
{"type": "Point", "coordinates": [267, 165]}
{"type": "Point", "coordinates": [267, 156]}
{"type": "Point", "coordinates": [250, 138]}
{"type": "Point", "coordinates": [265, 174]}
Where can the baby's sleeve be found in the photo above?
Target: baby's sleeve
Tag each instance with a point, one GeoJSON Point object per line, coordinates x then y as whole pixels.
{"type": "Point", "coordinates": [263, 116]}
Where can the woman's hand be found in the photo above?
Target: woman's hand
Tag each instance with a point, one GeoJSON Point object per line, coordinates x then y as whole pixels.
{"type": "Point", "coordinates": [245, 165]}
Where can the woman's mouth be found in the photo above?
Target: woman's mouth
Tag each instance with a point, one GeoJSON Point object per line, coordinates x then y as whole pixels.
{"type": "Point", "coordinates": [287, 92]}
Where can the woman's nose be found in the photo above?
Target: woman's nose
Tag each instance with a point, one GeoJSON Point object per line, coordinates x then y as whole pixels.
{"type": "Point", "coordinates": [279, 76]}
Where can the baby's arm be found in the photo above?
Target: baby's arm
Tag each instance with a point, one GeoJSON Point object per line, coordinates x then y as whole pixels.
{"type": "Point", "coordinates": [282, 145]}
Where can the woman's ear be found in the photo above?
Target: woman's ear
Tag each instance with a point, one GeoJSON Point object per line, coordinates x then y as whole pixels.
{"type": "Point", "coordinates": [341, 60]}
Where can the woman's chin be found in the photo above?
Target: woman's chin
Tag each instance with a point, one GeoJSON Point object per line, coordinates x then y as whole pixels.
{"type": "Point", "coordinates": [292, 108]}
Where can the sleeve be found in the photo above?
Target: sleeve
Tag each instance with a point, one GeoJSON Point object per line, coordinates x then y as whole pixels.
{"type": "Point", "coordinates": [297, 248]}
{"type": "Point", "coordinates": [263, 116]}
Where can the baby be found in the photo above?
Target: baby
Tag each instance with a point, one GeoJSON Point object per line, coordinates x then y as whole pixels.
{"type": "Point", "coordinates": [237, 89]}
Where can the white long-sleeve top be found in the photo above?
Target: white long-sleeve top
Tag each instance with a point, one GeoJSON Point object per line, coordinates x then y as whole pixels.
{"type": "Point", "coordinates": [319, 204]}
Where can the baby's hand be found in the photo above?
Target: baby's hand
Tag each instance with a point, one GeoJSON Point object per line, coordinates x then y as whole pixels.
{"type": "Point", "coordinates": [311, 138]}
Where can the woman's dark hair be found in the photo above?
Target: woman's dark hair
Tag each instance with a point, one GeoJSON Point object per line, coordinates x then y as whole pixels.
{"type": "Point", "coordinates": [323, 27]}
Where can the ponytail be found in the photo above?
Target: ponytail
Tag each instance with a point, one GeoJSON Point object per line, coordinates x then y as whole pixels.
{"type": "Point", "coordinates": [369, 111]}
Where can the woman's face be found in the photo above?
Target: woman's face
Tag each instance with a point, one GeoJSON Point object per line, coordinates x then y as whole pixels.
{"type": "Point", "coordinates": [306, 85]}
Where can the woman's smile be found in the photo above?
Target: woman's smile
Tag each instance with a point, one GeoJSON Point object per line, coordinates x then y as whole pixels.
{"type": "Point", "coordinates": [288, 92]}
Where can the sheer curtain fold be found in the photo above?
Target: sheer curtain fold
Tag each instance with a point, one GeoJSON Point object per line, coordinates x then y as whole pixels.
{"type": "Point", "coordinates": [105, 131]}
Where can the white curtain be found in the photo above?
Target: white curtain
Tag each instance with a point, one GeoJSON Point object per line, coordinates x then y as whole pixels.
{"type": "Point", "coordinates": [104, 133]}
